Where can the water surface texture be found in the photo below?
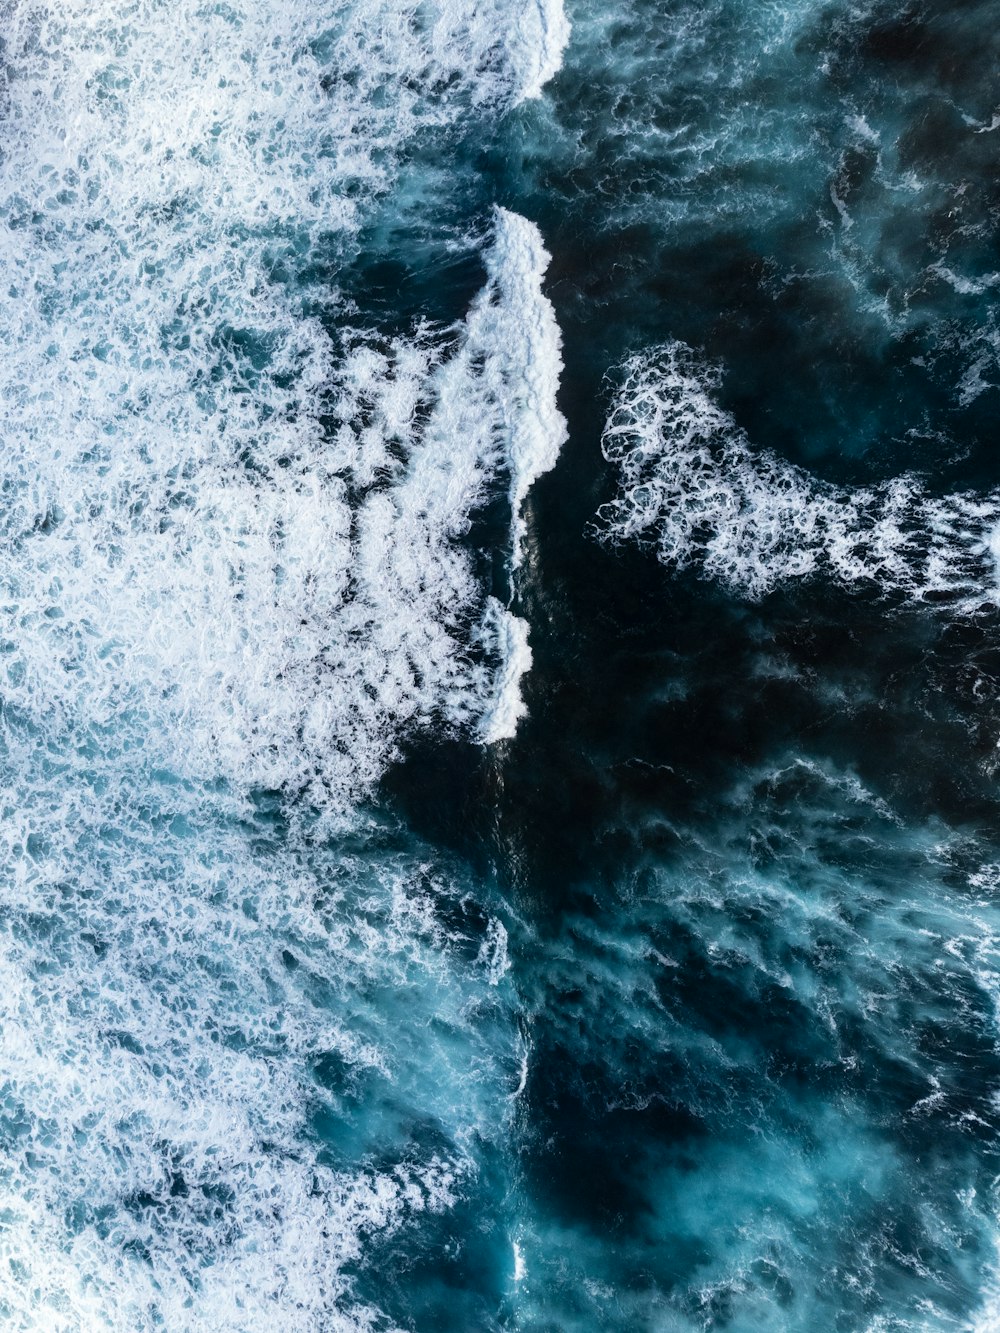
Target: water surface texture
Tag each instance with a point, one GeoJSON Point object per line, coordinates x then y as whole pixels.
{"type": "Point", "coordinates": [499, 667]}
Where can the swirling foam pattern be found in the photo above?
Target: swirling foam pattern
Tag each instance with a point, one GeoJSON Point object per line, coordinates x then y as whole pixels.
{"type": "Point", "coordinates": [235, 575]}
{"type": "Point", "coordinates": [691, 486]}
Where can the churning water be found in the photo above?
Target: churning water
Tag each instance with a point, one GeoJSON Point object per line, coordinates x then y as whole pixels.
{"type": "Point", "coordinates": [499, 666]}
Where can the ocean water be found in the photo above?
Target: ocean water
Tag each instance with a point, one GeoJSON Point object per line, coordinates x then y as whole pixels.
{"type": "Point", "coordinates": [499, 667]}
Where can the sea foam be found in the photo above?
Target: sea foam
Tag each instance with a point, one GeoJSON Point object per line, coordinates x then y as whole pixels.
{"type": "Point", "coordinates": [227, 529]}
{"type": "Point", "coordinates": [209, 1045]}
{"type": "Point", "coordinates": [512, 330]}
{"type": "Point", "coordinates": [234, 575]}
{"type": "Point", "coordinates": [692, 487]}
{"type": "Point", "coordinates": [520, 319]}
{"type": "Point", "coordinates": [507, 706]}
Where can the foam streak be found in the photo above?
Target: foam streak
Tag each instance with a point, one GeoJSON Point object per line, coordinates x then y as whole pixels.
{"type": "Point", "coordinates": [691, 486]}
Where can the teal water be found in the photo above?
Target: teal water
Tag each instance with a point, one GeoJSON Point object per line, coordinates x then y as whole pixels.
{"type": "Point", "coordinates": [499, 667]}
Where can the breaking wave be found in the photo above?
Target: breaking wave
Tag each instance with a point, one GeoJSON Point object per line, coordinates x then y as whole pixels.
{"type": "Point", "coordinates": [220, 521]}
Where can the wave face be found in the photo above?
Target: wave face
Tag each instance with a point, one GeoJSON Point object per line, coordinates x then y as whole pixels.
{"type": "Point", "coordinates": [692, 487]}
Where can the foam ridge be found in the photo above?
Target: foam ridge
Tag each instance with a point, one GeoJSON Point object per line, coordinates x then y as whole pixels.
{"type": "Point", "coordinates": [513, 329]}
{"type": "Point", "coordinates": [525, 323]}
{"type": "Point", "coordinates": [691, 486]}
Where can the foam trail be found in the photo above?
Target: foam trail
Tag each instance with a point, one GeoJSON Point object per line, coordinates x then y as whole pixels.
{"type": "Point", "coordinates": [691, 486]}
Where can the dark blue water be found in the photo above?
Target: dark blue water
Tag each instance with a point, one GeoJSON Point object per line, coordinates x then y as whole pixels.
{"type": "Point", "coordinates": [500, 668]}
{"type": "Point", "coordinates": [765, 1019]}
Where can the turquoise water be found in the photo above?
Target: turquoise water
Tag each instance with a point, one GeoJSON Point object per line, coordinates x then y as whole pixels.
{"type": "Point", "coordinates": [499, 667]}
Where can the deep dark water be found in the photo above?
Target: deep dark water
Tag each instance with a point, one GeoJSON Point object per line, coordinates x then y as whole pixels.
{"type": "Point", "coordinates": [752, 845]}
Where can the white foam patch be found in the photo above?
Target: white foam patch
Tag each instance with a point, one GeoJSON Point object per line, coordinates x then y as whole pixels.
{"type": "Point", "coordinates": [514, 315]}
{"type": "Point", "coordinates": [222, 538]}
{"type": "Point", "coordinates": [498, 398]}
{"type": "Point", "coordinates": [188, 121]}
{"type": "Point", "coordinates": [211, 1048]}
{"type": "Point", "coordinates": [520, 1267]}
{"type": "Point", "coordinates": [493, 951]}
{"type": "Point", "coordinates": [232, 564]}
{"type": "Point", "coordinates": [507, 706]}
{"type": "Point", "coordinates": [539, 36]}
{"type": "Point", "coordinates": [691, 486]}
{"type": "Point", "coordinates": [524, 322]}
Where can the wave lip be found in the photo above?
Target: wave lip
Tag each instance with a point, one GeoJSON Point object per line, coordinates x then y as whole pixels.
{"type": "Point", "coordinates": [691, 486]}
{"type": "Point", "coordinates": [539, 37]}
{"type": "Point", "coordinates": [537, 429]}
{"type": "Point", "coordinates": [513, 334]}
{"type": "Point", "coordinates": [507, 706]}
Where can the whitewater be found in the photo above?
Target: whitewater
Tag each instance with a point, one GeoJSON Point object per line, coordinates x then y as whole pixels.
{"type": "Point", "coordinates": [693, 488]}
{"type": "Point", "coordinates": [234, 582]}
{"type": "Point", "coordinates": [499, 667]}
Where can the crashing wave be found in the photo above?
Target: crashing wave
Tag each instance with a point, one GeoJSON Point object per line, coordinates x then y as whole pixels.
{"type": "Point", "coordinates": [523, 323]}
{"type": "Point", "coordinates": [536, 39]}
{"type": "Point", "coordinates": [271, 588]}
{"type": "Point", "coordinates": [692, 487]}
